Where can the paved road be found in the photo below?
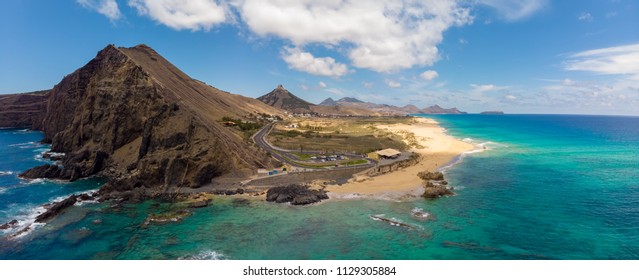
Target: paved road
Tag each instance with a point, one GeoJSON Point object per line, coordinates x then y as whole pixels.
{"type": "Point", "coordinates": [285, 155]}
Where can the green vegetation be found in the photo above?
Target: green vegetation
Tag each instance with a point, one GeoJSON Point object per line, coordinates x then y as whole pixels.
{"type": "Point", "coordinates": [246, 128]}
{"type": "Point", "coordinates": [301, 156]}
{"type": "Point", "coordinates": [330, 142]}
{"type": "Point", "coordinates": [356, 162]}
{"type": "Point", "coordinates": [242, 125]}
{"type": "Point", "coordinates": [359, 135]}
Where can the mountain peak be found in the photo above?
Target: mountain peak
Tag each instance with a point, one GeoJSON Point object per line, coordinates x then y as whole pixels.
{"type": "Point", "coordinates": [281, 98]}
{"type": "Point", "coordinates": [328, 102]}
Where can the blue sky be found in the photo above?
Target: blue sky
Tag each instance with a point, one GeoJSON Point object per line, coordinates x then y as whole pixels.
{"type": "Point", "coordinates": [519, 56]}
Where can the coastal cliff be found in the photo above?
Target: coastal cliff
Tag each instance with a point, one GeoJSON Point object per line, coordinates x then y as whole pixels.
{"type": "Point", "coordinates": [131, 116]}
{"type": "Point", "coordinates": [24, 110]}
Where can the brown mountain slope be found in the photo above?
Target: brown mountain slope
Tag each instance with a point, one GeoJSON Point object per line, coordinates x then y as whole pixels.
{"type": "Point", "coordinates": [339, 110]}
{"type": "Point", "coordinates": [205, 100]}
{"type": "Point", "coordinates": [133, 117]}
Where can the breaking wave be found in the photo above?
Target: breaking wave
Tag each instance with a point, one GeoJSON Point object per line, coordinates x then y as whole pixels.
{"type": "Point", "coordinates": [205, 255]}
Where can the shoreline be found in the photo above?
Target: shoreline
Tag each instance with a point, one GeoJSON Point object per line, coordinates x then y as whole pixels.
{"type": "Point", "coordinates": [438, 150]}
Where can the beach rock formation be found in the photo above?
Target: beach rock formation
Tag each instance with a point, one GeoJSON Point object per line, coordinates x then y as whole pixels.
{"type": "Point", "coordinates": [427, 175]}
{"type": "Point", "coordinates": [295, 194]}
{"type": "Point", "coordinates": [131, 116]}
{"type": "Point", "coordinates": [434, 184]}
{"type": "Point", "coordinates": [435, 190]}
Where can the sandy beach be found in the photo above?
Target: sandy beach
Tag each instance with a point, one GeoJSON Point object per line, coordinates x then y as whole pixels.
{"type": "Point", "coordinates": [428, 139]}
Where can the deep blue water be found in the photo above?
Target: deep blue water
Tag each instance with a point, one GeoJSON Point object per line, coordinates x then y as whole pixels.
{"type": "Point", "coordinates": [545, 187]}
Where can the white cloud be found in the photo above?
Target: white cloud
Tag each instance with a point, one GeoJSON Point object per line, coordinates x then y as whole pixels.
{"type": "Point", "coordinates": [322, 84]}
{"type": "Point", "coordinates": [511, 97]}
{"type": "Point", "coordinates": [335, 91]}
{"type": "Point", "coordinates": [487, 88]}
{"type": "Point", "coordinates": [108, 8]}
{"type": "Point", "coordinates": [367, 84]}
{"type": "Point", "coordinates": [179, 14]}
{"type": "Point", "coordinates": [590, 96]}
{"type": "Point", "coordinates": [429, 75]}
{"type": "Point", "coordinates": [306, 62]}
{"type": "Point", "coordinates": [513, 10]}
{"type": "Point", "coordinates": [585, 17]}
{"type": "Point", "coordinates": [568, 82]}
{"type": "Point", "coordinates": [379, 35]}
{"type": "Point", "coordinates": [619, 60]}
{"type": "Point", "coordinates": [393, 83]}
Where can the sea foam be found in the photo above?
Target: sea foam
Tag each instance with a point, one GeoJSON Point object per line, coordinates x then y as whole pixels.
{"type": "Point", "coordinates": [26, 219]}
{"type": "Point", "coordinates": [477, 148]}
{"type": "Point", "coordinates": [206, 255]}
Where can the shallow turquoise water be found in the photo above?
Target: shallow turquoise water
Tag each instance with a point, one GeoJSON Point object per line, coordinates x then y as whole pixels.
{"type": "Point", "coordinates": [546, 187]}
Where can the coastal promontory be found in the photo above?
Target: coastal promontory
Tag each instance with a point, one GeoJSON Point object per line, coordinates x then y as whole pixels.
{"type": "Point", "coordinates": [132, 117]}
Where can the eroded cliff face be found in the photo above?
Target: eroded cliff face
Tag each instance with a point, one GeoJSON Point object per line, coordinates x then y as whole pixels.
{"type": "Point", "coordinates": [131, 116]}
{"type": "Point", "coordinates": [25, 110]}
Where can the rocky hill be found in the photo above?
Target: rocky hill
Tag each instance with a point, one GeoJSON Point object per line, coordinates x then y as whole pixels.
{"type": "Point", "coordinates": [370, 108]}
{"type": "Point", "coordinates": [435, 109]}
{"type": "Point", "coordinates": [328, 102]}
{"type": "Point", "coordinates": [25, 110]}
{"type": "Point", "coordinates": [281, 98]}
{"type": "Point", "coordinates": [133, 117]}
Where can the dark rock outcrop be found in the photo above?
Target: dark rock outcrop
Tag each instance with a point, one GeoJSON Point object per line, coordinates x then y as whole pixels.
{"type": "Point", "coordinates": [434, 185]}
{"type": "Point", "coordinates": [56, 208]}
{"type": "Point", "coordinates": [8, 225]}
{"type": "Point", "coordinates": [295, 194]}
{"type": "Point", "coordinates": [46, 171]}
{"type": "Point", "coordinates": [432, 190]}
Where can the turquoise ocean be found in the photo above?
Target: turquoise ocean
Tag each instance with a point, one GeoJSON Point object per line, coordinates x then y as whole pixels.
{"type": "Point", "coordinates": [536, 187]}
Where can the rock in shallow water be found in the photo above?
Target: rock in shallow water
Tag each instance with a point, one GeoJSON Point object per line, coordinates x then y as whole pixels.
{"type": "Point", "coordinates": [46, 171]}
{"type": "Point", "coordinates": [56, 208]}
{"type": "Point", "coordinates": [432, 190]}
{"type": "Point", "coordinates": [9, 225]}
{"type": "Point", "coordinates": [295, 194]}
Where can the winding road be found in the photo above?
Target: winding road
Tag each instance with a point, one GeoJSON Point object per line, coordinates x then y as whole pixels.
{"type": "Point", "coordinates": [285, 156]}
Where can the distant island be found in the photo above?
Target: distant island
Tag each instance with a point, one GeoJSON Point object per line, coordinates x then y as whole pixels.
{"type": "Point", "coordinates": [492, 113]}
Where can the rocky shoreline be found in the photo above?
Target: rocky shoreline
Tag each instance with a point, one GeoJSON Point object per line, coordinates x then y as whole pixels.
{"type": "Point", "coordinates": [434, 185]}
{"type": "Point", "coordinates": [295, 194]}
